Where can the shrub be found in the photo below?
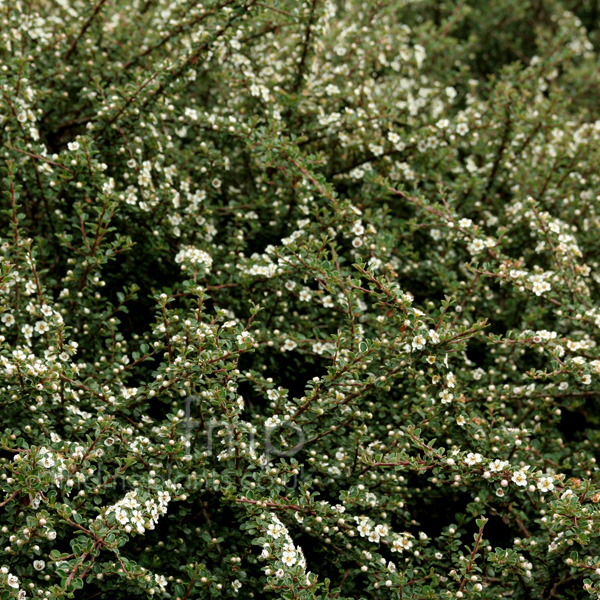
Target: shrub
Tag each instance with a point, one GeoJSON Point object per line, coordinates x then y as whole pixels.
{"type": "Point", "coordinates": [299, 299]}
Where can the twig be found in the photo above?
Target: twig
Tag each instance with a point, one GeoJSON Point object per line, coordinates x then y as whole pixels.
{"type": "Point", "coordinates": [38, 157]}
{"type": "Point", "coordinates": [12, 497]}
{"type": "Point", "coordinates": [85, 27]}
{"type": "Point", "coordinates": [473, 553]}
{"type": "Point", "coordinates": [75, 568]}
{"type": "Point", "coordinates": [305, 47]}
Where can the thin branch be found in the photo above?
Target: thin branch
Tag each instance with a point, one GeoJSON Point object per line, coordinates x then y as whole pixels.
{"type": "Point", "coordinates": [85, 27]}
{"type": "Point", "coordinates": [12, 497]}
{"type": "Point", "coordinates": [38, 157]}
{"type": "Point", "coordinates": [305, 47]}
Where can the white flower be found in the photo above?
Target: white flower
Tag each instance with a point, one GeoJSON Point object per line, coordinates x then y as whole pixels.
{"type": "Point", "coordinates": [433, 334]}
{"type": "Point", "coordinates": [476, 246]}
{"type": "Point", "coordinates": [161, 581]}
{"type": "Point", "coordinates": [13, 581]}
{"type": "Point", "coordinates": [272, 422]}
{"type": "Point", "coordinates": [130, 500]}
{"type": "Point", "coordinates": [275, 530]}
{"type": "Point", "coordinates": [236, 584]}
{"type": "Point", "coordinates": [364, 528]}
{"type": "Point", "coordinates": [520, 478]}
{"type": "Point", "coordinates": [138, 520]}
{"type": "Point", "coordinates": [42, 327]}
{"type": "Point", "coordinates": [497, 465]}
{"type": "Point", "coordinates": [73, 146]}
{"type": "Point", "coordinates": [194, 257]}
{"type": "Point", "coordinates": [373, 537]}
{"type": "Point", "coordinates": [401, 542]}
{"type": "Point", "coordinates": [357, 228]}
{"type": "Point", "coordinates": [539, 285]}
{"type": "Point", "coordinates": [545, 484]}
{"type": "Point", "coordinates": [244, 338]}
{"type": "Point", "coordinates": [47, 462]}
{"type": "Point", "coordinates": [121, 516]}
{"type": "Point", "coordinates": [418, 342]}
{"type": "Point", "coordinates": [163, 498]}
{"type": "Point", "coordinates": [327, 302]}
{"type": "Point", "coordinates": [473, 459]}
{"type": "Point", "coordinates": [8, 319]}
{"type": "Point", "coordinates": [39, 565]}
{"type": "Point", "coordinates": [478, 374]}
{"type": "Point", "coordinates": [446, 397]}
{"type": "Point", "coordinates": [289, 345]}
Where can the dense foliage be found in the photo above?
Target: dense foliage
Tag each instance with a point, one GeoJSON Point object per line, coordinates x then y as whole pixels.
{"type": "Point", "coordinates": [299, 299]}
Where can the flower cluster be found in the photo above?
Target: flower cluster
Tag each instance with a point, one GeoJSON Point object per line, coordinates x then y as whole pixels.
{"type": "Point", "coordinates": [193, 258]}
{"type": "Point", "coordinates": [134, 514]}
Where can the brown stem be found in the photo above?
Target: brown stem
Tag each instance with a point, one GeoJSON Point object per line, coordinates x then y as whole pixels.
{"type": "Point", "coordinates": [85, 27]}
{"type": "Point", "coordinates": [12, 497]}
{"type": "Point", "coordinates": [75, 568]}
{"type": "Point", "coordinates": [38, 157]}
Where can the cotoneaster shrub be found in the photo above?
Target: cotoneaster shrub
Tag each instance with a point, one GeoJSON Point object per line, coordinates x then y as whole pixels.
{"type": "Point", "coordinates": [299, 299]}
